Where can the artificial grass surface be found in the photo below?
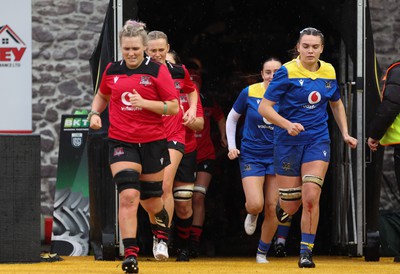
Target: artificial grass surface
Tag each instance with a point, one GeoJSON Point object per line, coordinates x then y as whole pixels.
{"type": "Point", "coordinates": [205, 265]}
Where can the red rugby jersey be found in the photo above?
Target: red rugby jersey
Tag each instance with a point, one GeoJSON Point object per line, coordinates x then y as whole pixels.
{"type": "Point", "coordinates": [205, 146]}
{"type": "Point", "coordinates": [153, 82]}
{"type": "Point", "coordinates": [175, 130]}
{"type": "Point", "coordinates": [190, 139]}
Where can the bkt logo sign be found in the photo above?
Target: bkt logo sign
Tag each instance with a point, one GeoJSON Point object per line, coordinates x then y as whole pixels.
{"type": "Point", "coordinates": [76, 123]}
{"type": "Point", "coordinates": [12, 48]}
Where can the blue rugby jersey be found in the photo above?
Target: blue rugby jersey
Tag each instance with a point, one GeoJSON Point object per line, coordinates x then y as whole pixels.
{"type": "Point", "coordinates": [303, 97]}
{"type": "Point", "coordinates": [258, 135]}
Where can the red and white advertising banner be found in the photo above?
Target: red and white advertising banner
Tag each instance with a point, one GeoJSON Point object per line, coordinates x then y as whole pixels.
{"type": "Point", "coordinates": [16, 66]}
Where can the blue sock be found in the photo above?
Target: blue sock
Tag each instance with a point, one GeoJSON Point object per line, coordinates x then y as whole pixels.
{"type": "Point", "coordinates": [263, 247]}
{"type": "Point", "coordinates": [282, 232]}
{"type": "Point", "coordinates": [307, 242]}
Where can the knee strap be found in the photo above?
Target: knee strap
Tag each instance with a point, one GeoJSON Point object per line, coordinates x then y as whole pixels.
{"type": "Point", "coordinates": [127, 178]}
{"type": "Point", "coordinates": [162, 219]}
{"type": "Point", "coordinates": [150, 189]}
{"type": "Point", "coordinates": [313, 179]}
{"type": "Point", "coordinates": [290, 194]}
{"type": "Point", "coordinates": [183, 193]}
{"type": "Point", "coordinates": [200, 189]}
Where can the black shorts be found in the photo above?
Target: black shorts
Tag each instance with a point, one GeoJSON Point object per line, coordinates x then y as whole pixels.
{"type": "Point", "coordinates": [177, 146]}
{"type": "Point", "coordinates": [153, 156]}
{"type": "Point", "coordinates": [187, 168]}
{"type": "Point", "coordinates": [206, 166]}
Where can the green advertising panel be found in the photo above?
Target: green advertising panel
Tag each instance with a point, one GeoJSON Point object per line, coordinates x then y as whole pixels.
{"type": "Point", "coordinates": [71, 204]}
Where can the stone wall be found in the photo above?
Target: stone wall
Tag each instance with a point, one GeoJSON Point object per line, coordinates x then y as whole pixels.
{"type": "Point", "coordinates": [386, 30]}
{"type": "Point", "coordinates": [64, 35]}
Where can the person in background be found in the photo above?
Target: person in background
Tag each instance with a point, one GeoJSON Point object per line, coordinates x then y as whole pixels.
{"type": "Point", "coordinates": [157, 49]}
{"type": "Point", "coordinates": [185, 177]}
{"type": "Point", "coordinates": [304, 87]}
{"type": "Point", "coordinates": [384, 129]}
{"type": "Point", "coordinates": [256, 158]}
{"type": "Point", "coordinates": [205, 159]}
{"type": "Point", "coordinates": [138, 92]}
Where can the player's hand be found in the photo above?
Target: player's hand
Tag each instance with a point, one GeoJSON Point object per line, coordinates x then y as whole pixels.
{"type": "Point", "coordinates": [135, 99]}
{"type": "Point", "coordinates": [189, 117]}
{"type": "Point", "coordinates": [373, 144]}
{"type": "Point", "coordinates": [95, 122]}
{"type": "Point", "coordinates": [351, 141]}
{"type": "Point", "coordinates": [294, 129]}
{"type": "Point", "coordinates": [233, 153]}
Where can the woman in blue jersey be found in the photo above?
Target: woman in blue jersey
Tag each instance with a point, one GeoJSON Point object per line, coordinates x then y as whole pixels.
{"type": "Point", "coordinates": [304, 87]}
{"type": "Point", "coordinates": [256, 158]}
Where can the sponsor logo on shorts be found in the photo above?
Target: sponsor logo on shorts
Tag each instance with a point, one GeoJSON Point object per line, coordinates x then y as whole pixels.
{"type": "Point", "coordinates": [118, 151]}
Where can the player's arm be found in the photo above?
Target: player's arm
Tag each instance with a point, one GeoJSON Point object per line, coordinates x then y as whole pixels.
{"type": "Point", "coordinates": [266, 109]}
{"type": "Point", "coordinates": [231, 125]}
{"type": "Point", "coordinates": [197, 124]}
{"type": "Point", "coordinates": [190, 114]}
{"type": "Point", "coordinates": [341, 120]}
{"type": "Point", "coordinates": [170, 107]}
{"type": "Point", "coordinates": [99, 103]}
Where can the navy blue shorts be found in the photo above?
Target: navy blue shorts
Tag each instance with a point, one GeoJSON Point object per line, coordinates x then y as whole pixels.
{"type": "Point", "coordinates": [289, 158]}
{"type": "Point", "coordinates": [255, 165]}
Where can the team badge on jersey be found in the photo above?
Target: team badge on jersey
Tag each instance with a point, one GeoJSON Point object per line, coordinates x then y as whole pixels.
{"type": "Point", "coordinates": [145, 81]}
{"type": "Point", "coordinates": [178, 86]}
{"type": "Point", "coordinates": [328, 84]}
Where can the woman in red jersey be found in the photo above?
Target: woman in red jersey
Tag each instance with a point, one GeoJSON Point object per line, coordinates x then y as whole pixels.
{"type": "Point", "coordinates": [157, 49]}
{"type": "Point", "coordinates": [206, 156]}
{"type": "Point", "coordinates": [138, 92]}
{"type": "Point", "coordinates": [185, 177]}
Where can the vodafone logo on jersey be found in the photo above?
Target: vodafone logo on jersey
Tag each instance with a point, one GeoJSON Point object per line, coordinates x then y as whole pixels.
{"type": "Point", "coordinates": [267, 124]}
{"type": "Point", "coordinates": [12, 48]}
{"type": "Point", "coordinates": [125, 100]}
{"type": "Point", "coordinates": [266, 121]}
{"type": "Point", "coordinates": [313, 98]}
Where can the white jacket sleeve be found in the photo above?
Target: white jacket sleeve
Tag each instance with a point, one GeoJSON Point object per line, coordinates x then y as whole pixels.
{"type": "Point", "coordinates": [231, 123]}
